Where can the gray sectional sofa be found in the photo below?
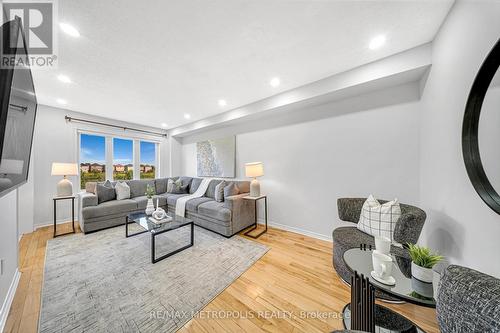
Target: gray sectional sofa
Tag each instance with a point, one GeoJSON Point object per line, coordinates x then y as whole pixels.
{"type": "Point", "coordinates": [226, 218]}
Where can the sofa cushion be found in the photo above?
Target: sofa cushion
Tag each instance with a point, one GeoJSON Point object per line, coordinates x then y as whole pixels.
{"type": "Point", "coordinates": [122, 191]}
{"type": "Point", "coordinates": [215, 210]}
{"type": "Point", "coordinates": [192, 205]}
{"type": "Point", "coordinates": [230, 190]}
{"type": "Point", "coordinates": [142, 202]}
{"type": "Point", "coordinates": [186, 180]}
{"type": "Point", "coordinates": [219, 191]}
{"type": "Point", "coordinates": [161, 185]}
{"type": "Point", "coordinates": [379, 219]}
{"type": "Point", "coordinates": [172, 198]}
{"type": "Point", "coordinates": [105, 192]}
{"type": "Point", "coordinates": [195, 183]}
{"type": "Point", "coordinates": [109, 208]}
{"type": "Point", "coordinates": [138, 187]}
{"type": "Point", "coordinates": [210, 193]}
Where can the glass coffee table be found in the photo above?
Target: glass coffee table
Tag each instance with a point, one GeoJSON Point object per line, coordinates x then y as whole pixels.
{"type": "Point", "coordinates": [156, 229]}
{"type": "Point", "coordinates": [406, 288]}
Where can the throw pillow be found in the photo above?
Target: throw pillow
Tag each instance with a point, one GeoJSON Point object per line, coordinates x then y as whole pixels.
{"type": "Point", "coordinates": [219, 191]}
{"type": "Point", "coordinates": [105, 192]}
{"type": "Point", "coordinates": [170, 184]}
{"type": "Point", "coordinates": [230, 190]}
{"type": "Point", "coordinates": [379, 220]}
{"type": "Point", "coordinates": [122, 191]}
{"type": "Point", "coordinates": [179, 189]}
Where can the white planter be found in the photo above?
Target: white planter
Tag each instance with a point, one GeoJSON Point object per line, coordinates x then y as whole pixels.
{"type": "Point", "coordinates": [421, 273]}
{"type": "Point", "coordinates": [150, 208]}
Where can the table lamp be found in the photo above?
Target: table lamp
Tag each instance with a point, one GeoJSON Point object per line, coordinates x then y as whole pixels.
{"type": "Point", "coordinates": [64, 187]}
{"type": "Point", "coordinates": [254, 170]}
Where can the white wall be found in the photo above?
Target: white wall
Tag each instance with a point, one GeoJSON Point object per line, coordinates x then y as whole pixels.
{"type": "Point", "coordinates": [349, 148]}
{"type": "Point", "coordinates": [55, 140]}
{"type": "Point", "coordinates": [459, 225]}
{"type": "Point", "coordinates": [8, 248]}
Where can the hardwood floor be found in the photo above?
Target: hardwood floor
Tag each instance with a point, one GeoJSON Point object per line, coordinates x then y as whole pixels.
{"type": "Point", "coordinates": [293, 288]}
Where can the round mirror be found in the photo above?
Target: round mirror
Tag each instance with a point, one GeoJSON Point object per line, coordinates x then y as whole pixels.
{"type": "Point", "coordinates": [481, 131]}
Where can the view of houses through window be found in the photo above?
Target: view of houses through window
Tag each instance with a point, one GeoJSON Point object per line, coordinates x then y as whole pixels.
{"type": "Point", "coordinates": [92, 159]}
{"type": "Point", "coordinates": [123, 159]}
{"type": "Point", "coordinates": [148, 157]}
{"type": "Point", "coordinates": [93, 154]}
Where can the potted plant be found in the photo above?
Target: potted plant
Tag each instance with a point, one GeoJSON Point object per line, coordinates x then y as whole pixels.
{"type": "Point", "coordinates": [422, 262]}
{"type": "Point", "coordinates": [150, 191]}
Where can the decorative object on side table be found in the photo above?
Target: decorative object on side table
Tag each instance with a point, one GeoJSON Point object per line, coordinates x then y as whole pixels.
{"type": "Point", "coordinates": [150, 191]}
{"type": "Point", "coordinates": [265, 214]}
{"type": "Point", "coordinates": [382, 268]}
{"type": "Point", "coordinates": [64, 187]}
{"type": "Point", "coordinates": [254, 170]}
{"type": "Point", "coordinates": [422, 262]}
{"type": "Point", "coordinates": [360, 261]}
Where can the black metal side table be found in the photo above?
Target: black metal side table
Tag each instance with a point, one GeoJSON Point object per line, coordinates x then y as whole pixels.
{"type": "Point", "coordinates": [265, 213]}
{"type": "Point", "coordinates": [56, 199]}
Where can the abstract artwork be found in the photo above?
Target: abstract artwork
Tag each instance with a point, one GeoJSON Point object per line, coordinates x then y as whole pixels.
{"type": "Point", "coordinates": [216, 158]}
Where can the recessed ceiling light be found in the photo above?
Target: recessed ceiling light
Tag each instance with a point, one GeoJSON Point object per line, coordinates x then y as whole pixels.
{"type": "Point", "coordinates": [187, 116]}
{"type": "Point", "coordinates": [377, 42]}
{"type": "Point", "coordinates": [69, 29]}
{"type": "Point", "coordinates": [64, 78]}
{"type": "Point", "coordinates": [164, 125]}
{"type": "Point", "coordinates": [222, 102]}
{"type": "Point", "coordinates": [61, 101]}
{"type": "Point", "coordinates": [275, 81]}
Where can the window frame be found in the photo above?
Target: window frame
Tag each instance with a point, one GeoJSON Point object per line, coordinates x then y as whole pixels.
{"type": "Point", "coordinates": [108, 153]}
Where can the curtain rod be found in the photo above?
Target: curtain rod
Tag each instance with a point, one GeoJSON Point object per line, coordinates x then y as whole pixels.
{"type": "Point", "coordinates": [70, 119]}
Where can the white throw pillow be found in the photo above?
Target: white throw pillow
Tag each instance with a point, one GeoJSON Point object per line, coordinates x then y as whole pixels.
{"type": "Point", "coordinates": [379, 220]}
{"type": "Point", "coordinates": [122, 191]}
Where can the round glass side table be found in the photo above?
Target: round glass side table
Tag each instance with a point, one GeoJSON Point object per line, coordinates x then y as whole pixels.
{"type": "Point", "coordinates": [406, 288]}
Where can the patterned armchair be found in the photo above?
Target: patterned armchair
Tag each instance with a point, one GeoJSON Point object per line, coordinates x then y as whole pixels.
{"type": "Point", "coordinates": [408, 229]}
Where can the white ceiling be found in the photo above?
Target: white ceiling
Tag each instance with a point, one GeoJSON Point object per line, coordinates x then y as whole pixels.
{"type": "Point", "coordinates": [150, 62]}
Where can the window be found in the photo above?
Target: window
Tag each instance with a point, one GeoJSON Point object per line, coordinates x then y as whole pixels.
{"type": "Point", "coordinates": [147, 160]}
{"type": "Point", "coordinates": [116, 158]}
{"type": "Point", "coordinates": [92, 159]}
{"type": "Point", "coordinates": [123, 159]}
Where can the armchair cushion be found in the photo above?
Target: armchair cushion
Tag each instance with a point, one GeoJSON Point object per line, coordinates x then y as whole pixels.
{"type": "Point", "coordinates": [468, 301]}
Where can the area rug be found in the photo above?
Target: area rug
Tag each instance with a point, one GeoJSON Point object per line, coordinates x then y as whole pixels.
{"type": "Point", "coordinates": [104, 282]}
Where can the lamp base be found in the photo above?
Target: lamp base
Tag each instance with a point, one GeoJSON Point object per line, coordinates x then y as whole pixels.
{"type": "Point", "coordinates": [64, 188]}
{"type": "Point", "coordinates": [255, 188]}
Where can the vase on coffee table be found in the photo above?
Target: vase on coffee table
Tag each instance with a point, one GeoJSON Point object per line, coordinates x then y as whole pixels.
{"type": "Point", "coordinates": [150, 207]}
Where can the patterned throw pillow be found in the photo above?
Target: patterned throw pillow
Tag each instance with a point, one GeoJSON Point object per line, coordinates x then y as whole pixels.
{"type": "Point", "coordinates": [176, 187]}
{"type": "Point", "coordinates": [105, 192]}
{"type": "Point", "coordinates": [230, 190]}
{"type": "Point", "coordinates": [219, 191]}
{"type": "Point", "coordinates": [122, 191]}
{"type": "Point", "coordinates": [379, 220]}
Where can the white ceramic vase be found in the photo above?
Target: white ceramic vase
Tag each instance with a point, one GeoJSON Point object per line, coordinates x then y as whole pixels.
{"type": "Point", "coordinates": [150, 208]}
{"type": "Point", "coordinates": [421, 273]}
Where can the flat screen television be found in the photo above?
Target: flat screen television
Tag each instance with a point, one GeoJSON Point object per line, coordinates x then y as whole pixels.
{"type": "Point", "coordinates": [18, 106]}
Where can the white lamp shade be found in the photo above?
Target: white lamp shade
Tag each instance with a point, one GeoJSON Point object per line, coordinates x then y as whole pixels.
{"type": "Point", "coordinates": [255, 169]}
{"type": "Point", "coordinates": [11, 167]}
{"type": "Point", "coordinates": [64, 169]}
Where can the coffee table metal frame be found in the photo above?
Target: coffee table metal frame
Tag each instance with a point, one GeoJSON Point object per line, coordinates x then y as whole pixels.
{"type": "Point", "coordinates": [133, 217]}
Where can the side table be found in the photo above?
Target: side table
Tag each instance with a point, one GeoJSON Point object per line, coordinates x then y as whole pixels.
{"type": "Point", "coordinates": [56, 199]}
{"type": "Point", "coordinates": [256, 199]}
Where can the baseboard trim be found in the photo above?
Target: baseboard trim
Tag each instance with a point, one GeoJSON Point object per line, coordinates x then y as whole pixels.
{"type": "Point", "coordinates": [48, 224]}
{"type": "Point", "coordinates": [4, 312]}
{"type": "Point", "coordinates": [301, 231]}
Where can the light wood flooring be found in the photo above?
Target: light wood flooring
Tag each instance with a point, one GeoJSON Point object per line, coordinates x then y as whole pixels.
{"type": "Point", "coordinates": [292, 288]}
